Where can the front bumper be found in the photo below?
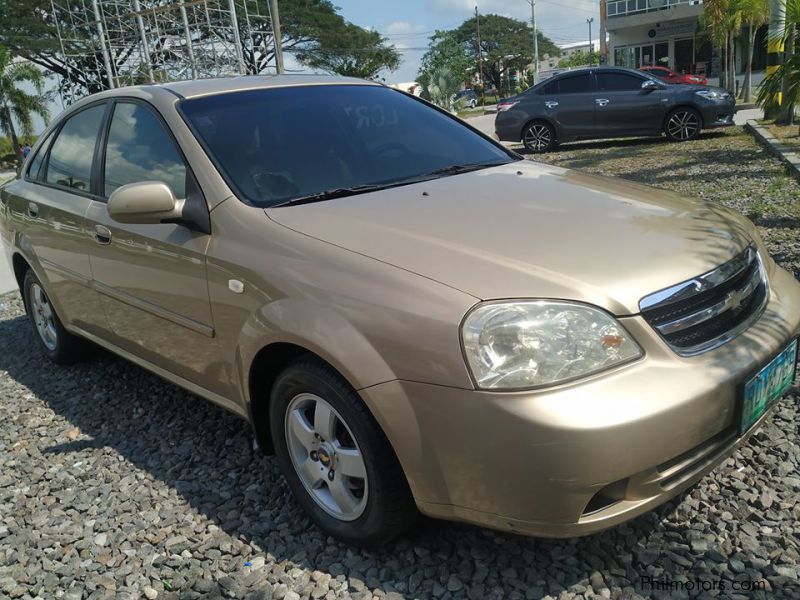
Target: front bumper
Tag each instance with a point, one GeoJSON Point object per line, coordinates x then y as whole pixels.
{"type": "Point", "coordinates": [718, 114]}
{"type": "Point", "coordinates": [581, 457]}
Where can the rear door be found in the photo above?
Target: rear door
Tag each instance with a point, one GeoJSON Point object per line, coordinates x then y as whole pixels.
{"type": "Point", "coordinates": [624, 108]}
{"type": "Point", "coordinates": [570, 102]}
{"type": "Point", "coordinates": [47, 208]}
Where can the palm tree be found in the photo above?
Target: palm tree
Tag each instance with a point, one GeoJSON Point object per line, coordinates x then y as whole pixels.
{"type": "Point", "coordinates": [442, 86]}
{"type": "Point", "coordinates": [785, 80]}
{"type": "Point", "coordinates": [716, 18]}
{"type": "Point", "coordinates": [17, 104]}
{"type": "Point", "coordinates": [755, 13]}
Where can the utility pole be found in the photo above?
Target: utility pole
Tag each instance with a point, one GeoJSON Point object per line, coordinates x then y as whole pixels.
{"type": "Point", "coordinates": [276, 34]}
{"type": "Point", "coordinates": [603, 33]}
{"type": "Point", "coordinates": [480, 57]}
{"type": "Point", "coordinates": [590, 21]}
{"type": "Point", "coordinates": [535, 42]}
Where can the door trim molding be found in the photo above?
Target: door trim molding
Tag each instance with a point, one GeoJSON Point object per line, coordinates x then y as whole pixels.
{"type": "Point", "coordinates": [154, 309]}
{"type": "Point", "coordinates": [64, 271]}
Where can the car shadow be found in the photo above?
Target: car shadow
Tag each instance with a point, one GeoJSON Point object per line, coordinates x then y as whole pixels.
{"type": "Point", "coordinates": [623, 143]}
{"type": "Point", "coordinates": [206, 456]}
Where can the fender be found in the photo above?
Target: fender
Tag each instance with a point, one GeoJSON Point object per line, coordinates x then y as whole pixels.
{"type": "Point", "coordinates": [318, 329]}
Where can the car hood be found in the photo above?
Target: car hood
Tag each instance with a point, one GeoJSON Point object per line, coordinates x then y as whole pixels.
{"type": "Point", "coordinates": [528, 230]}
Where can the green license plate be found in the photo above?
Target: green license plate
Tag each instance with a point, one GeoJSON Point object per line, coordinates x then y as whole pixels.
{"type": "Point", "coordinates": [767, 386]}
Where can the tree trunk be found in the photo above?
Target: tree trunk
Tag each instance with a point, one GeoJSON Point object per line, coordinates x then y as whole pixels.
{"type": "Point", "coordinates": [723, 67]}
{"type": "Point", "coordinates": [732, 63]}
{"type": "Point", "coordinates": [787, 109]}
{"type": "Point", "coordinates": [748, 76]}
{"type": "Point", "coordinates": [13, 134]}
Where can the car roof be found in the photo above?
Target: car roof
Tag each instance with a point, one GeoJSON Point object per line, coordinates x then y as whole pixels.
{"type": "Point", "coordinates": [204, 87]}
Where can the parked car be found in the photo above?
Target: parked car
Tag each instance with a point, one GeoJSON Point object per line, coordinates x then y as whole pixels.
{"type": "Point", "coordinates": [466, 99]}
{"type": "Point", "coordinates": [670, 76]}
{"type": "Point", "coordinates": [407, 313]}
{"type": "Point", "coordinates": [610, 102]}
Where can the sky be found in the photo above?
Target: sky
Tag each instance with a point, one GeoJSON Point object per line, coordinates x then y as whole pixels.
{"type": "Point", "coordinates": [407, 24]}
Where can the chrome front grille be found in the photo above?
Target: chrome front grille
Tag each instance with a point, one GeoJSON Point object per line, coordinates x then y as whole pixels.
{"type": "Point", "coordinates": [709, 310]}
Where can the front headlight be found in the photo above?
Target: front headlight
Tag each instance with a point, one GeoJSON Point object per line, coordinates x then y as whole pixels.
{"type": "Point", "coordinates": [710, 94]}
{"type": "Point", "coordinates": [526, 344]}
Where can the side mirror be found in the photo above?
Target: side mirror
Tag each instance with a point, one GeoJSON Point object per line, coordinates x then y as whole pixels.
{"type": "Point", "coordinates": [146, 202]}
{"type": "Point", "coordinates": [649, 85]}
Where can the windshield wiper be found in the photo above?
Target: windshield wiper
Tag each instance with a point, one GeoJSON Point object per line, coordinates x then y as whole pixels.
{"type": "Point", "coordinates": [458, 169]}
{"type": "Point", "coordinates": [363, 189]}
{"type": "Point", "coordinates": [335, 193]}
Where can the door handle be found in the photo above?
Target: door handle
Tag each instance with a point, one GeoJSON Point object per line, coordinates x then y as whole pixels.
{"type": "Point", "coordinates": [551, 104]}
{"type": "Point", "coordinates": [33, 210]}
{"type": "Point", "coordinates": [102, 235]}
{"type": "Point", "coordinates": [601, 102]}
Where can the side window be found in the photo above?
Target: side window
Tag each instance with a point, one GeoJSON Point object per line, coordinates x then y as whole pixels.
{"type": "Point", "coordinates": [618, 82]}
{"type": "Point", "coordinates": [35, 168]}
{"type": "Point", "coordinates": [576, 85]}
{"type": "Point", "coordinates": [549, 89]}
{"type": "Point", "coordinates": [70, 162]}
{"type": "Point", "coordinates": [139, 149]}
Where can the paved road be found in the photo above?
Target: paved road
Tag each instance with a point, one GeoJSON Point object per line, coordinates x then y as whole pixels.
{"type": "Point", "coordinates": [7, 281]}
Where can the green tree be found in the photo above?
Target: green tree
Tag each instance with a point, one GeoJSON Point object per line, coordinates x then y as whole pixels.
{"type": "Point", "coordinates": [351, 51]}
{"type": "Point", "coordinates": [506, 44]}
{"type": "Point", "coordinates": [17, 104]}
{"type": "Point", "coordinates": [446, 51]}
{"type": "Point", "coordinates": [784, 82]}
{"type": "Point", "coordinates": [440, 88]}
{"type": "Point", "coordinates": [28, 29]}
{"type": "Point", "coordinates": [754, 14]}
{"type": "Point", "coordinates": [580, 59]}
{"type": "Point", "coordinates": [723, 21]}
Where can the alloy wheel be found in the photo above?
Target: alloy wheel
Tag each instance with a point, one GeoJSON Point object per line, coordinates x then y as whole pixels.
{"type": "Point", "coordinates": [326, 457]}
{"type": "Point", "coordinates": [683, 125]}
{"type": "Point", "coordinates": [538, 137]}
{"type": "Point", "coordinates": [43, 317]}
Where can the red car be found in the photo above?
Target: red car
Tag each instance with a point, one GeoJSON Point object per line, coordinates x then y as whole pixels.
{"type": "Point", "coordinates": [671, 76]}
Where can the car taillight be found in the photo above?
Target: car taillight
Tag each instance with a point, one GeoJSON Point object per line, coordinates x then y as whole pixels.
{"type": "Point", "coordinates": [503, 106]}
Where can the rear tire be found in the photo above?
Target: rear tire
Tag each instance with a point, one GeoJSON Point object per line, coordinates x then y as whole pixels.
{"type": "Point", "coordinates": [57, 343]}
{"type": "Point", "coordinates": [539, 137]}
{"type": "Point", "coordinates": [335, 458]}
{"type": "Point", "coordinates": [683, 124]}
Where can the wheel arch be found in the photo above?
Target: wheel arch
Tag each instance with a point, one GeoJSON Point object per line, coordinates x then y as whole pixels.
{"type": "Point", "coordinates": [294, 329]}
{"type": "Point", "coordinates": [21, 266]}
{"type": "Point", "coordinates": [533, 120]}
{"type": "Point", "coordinates": [679, 107]}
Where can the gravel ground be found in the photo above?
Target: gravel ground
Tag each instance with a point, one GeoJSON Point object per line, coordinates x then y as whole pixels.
{"type": "Point", "coordinates": [114, 483]}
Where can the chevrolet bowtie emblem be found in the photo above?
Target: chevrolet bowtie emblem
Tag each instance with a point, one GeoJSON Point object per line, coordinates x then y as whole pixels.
{"type": "Point", "coordinates": [734, 300]}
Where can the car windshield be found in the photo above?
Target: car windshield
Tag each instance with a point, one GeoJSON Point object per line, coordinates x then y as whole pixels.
{"type": "Point", "coordinates": [308, 143]}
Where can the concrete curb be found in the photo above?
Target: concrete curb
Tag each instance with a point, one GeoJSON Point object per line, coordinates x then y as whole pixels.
{"type": "Point", "coordinates": [786, 153]}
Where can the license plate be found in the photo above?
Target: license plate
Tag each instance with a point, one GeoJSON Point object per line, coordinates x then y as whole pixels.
{"type": "Point", "coordinates": [767, 386]}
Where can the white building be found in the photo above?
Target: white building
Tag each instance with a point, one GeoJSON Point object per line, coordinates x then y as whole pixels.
{"type": "Point", "coordinates": [550, 63]}
{"type": "Point", "coordinates": [666, 33]}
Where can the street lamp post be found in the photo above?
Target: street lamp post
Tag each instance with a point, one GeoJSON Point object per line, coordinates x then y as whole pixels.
{"type": "Point", "coordinates": [590, 21]}
{"type": "Point", "coordinates": [535, 42]}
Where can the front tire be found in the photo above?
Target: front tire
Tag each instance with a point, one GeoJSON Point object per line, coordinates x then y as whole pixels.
{"type": "Point", "coordinates": [683, 125]}
{"type": "Point", "coordinates": [539, 137]}
{"type": "Point", "coordinates": [336, 459]}
{"type": "Point", "coordinates": [56, 342]}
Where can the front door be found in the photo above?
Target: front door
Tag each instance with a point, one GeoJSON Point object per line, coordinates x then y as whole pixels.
{"type": "Point", "coordinates": [152, 278]}
{"type": "Point", "coordinates": [624, 108]}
